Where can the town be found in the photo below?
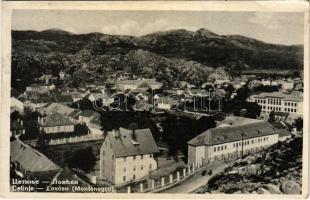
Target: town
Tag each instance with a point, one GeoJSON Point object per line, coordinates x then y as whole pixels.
{"type": "Point", "coordinates": [137, 135]}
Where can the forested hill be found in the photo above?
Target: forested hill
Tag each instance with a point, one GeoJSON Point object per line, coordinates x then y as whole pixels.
{"type": "Point", "coordinates": [176, 54]}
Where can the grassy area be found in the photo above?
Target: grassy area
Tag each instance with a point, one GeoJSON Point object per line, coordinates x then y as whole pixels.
{"type": "Point", "coordinates": [60, 154]}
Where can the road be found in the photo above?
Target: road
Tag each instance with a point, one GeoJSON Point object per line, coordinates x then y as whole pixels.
{"type": "Point", "coordinates": [196, 180]}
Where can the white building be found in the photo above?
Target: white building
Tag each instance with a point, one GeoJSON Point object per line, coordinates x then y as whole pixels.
{"type": "Point", "coordinates": [40, 87]}
{"type": "Point", "coordinates": [56, 123]}
{"type": "Point", "coordinates": [288, 85]}
{"type": "Point", "coordinates": [277, 101]}
{"type": "Point", "coordinates": [230, 142]}
{"type": "Point", "coordinates": [142, 84]}
{"type": "Point", "coordinates": [127, 155]}
{"type": "Point", "coordinates": [17, 105]}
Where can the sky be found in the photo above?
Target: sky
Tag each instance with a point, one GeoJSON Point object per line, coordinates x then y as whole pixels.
{"type": "Point", "coordinates": [272, 27]}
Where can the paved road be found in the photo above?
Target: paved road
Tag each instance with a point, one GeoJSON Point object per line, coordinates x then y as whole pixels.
{"type": "Point", "coordinates": [196, 180]}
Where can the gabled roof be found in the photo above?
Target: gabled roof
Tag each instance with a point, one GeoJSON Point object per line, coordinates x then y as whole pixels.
{"type": "Point", "coordinates": [56, 119]}
{"type": "Point", "coordinates": [88, 113]}
{"type": "Point", "coordinates": [31, 160]}
{"type": "Point", "coordinates": [227, 134]}
{"type": "Point", "coordinates": [124, 144]}
{"type": "Point", "coordinates": [59, 108]}
{"type": "Point", "coordinates": [281, 95]}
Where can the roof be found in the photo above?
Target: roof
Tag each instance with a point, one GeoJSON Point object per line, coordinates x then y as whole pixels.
{"type": "Point", "coordinates": [61, 109]}
{"type": "Point", "coordinates": [124, 145]}
{"type": "Point", "coordinates": [96, 121]}
{"type": "Point", "coordinates": [288, 97]}
{"type": "Point", "coordinates": [56, 119]}
{"type": "Point", "coordinates": [283, 132]}
{"type": "Point", "coordinates": [226, 134]}
{"type": "Point", "coordinates": [88, 113]}
{"type": "Point", "coordinates": [236, 120]}
{"type": "Point", "coordinates": [30, 159]}
{"type": "Point", "coordinates": [138, 82]}
{"type": "Point", "coordinates": [39, 85]}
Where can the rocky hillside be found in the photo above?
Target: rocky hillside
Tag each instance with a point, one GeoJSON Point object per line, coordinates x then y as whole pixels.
{"type": "Point", "coordinates": [279, 171]}
{"type": "Point", "coordinates": [175, 54]}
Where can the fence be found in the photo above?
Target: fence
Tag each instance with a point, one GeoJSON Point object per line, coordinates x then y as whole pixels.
{"type": "Point", "coordinates": [162, 183]}
{"type": "Point", "coordinates": [76, 139]}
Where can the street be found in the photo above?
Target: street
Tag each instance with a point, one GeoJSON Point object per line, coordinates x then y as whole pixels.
{"type": "Point", "coordinates": [196, 180]}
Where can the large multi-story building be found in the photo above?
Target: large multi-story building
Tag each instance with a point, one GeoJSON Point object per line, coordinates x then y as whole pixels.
{"type": "Point", "coordinates": [142, 84]}
{"type": "Point", "coordinates": [277, 101]}
{"type": "Point", "coordinates": [127, 155]}
{"type": "Point", "coordinates": [231, 141]}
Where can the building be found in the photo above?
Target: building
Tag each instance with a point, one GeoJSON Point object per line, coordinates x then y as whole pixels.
{"type": "Point", "coordinates": [56, 123]}
{"type": "Point", "coordinates": [230, 142]}
{"type": "Point", "coordinates": [17, 128]}
{"type": "Point", "coordinates": [277, 101]}
{"type": "Point", "coordinates": [142, 84]}
{"type": "Point", "coordinates": [26, 162]}
{"type": "Point", "coordinates": [40, 87]}
{"type": "Point", "coordinates": [87, 116]}
{"type": "Point", "coordinates": [29, 162]}
{"type": "Point", "coordinates": [17, 105]}
{"type": "Point", "coordinates": [127, 155]}
{"type": "Point", "coordinates": [288, 85]}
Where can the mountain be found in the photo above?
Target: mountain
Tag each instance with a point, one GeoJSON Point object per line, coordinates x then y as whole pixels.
{"type": "Point", "coordinates": [201, 51]}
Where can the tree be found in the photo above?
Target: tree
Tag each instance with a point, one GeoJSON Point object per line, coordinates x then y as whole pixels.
{"type": "Point", "coordinates": [298, 123]}
{"type": "Point", "coordinates": [83, 159]}
{"type": "Point", "coordinates": [272, 118]}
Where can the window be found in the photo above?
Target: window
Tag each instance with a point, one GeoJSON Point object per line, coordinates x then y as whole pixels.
{"type": "Point", "coordinates": [151, 155]}
{"type": "Point", "coordinates": [134, 168]}
{"type": "Point", "coordinates": [141, 167]}
{"type": "Point", "coordinates": [112, 157]}
{"type": "Point", "coordinates": [141, 156]}
{"type": "Point", "coordinates": [225, 147]}
{"type": "Point", "coordinates": [248, 142]}
{"type": "Point", "coordinates": [124, 169]}
{"type": "Point", "coordinates": [222, 148]}
{"type": "Point", "coordinates": [252, 141]}
{"type": "Point", "coordinates": [214, 149]}
{"type": "Point", "coordinates": [103, 153]}
{"type": "Point", "coordinates": [150, 166]}
{"type": "Point", "coordinates": [134, 177]}
{"type": "Point", "coordinates": [124, 178]}
{"type": "Point", "coordinates": [218, 148]}
{"type": "Point", "coordinates": [234, 145]}
{"type": "Point", "coordinates": [134, 157]}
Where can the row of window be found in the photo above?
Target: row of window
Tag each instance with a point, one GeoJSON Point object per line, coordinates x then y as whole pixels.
{"type": "Point", "coordinates": [290, 104]}
{"type": "Point", "coordinates": [135, 168]}
{"type": "Point", "coordinates": [260, 101]}
{"type": "Point", "coordinates": [245, 143]}
{"type": "Point", "coordinates": [220, 148]}
{"type": "Point", "coordinates": [135, 157]}
{"type": "Point", "coordinates": [290, 110]}
{"type": "Point", "coordinates": [274, 101]}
